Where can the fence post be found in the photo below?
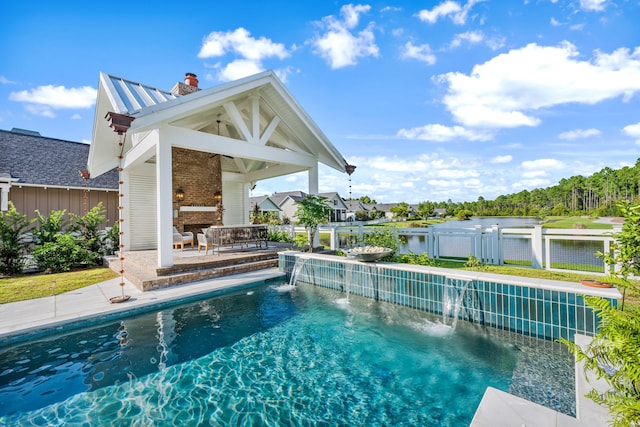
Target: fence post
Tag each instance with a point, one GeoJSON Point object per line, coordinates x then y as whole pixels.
{"type": "Point", "coordinates": [496, 249]}
{"type": "Point", "coordinates": [429, 242]}
{"type": "Point", "coordinates": [477, 244]}
{"type": "Point", "coordinates": [536, 246]}
{"type": "Point", "coordinates": [333, 238]}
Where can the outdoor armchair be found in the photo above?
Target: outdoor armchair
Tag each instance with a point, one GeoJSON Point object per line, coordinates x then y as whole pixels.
{"type": "Point", "coordinates": [182, 238]}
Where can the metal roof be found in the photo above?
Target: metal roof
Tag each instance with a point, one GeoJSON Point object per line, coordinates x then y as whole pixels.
{"type": "Point", "coordinates": [128, 96]}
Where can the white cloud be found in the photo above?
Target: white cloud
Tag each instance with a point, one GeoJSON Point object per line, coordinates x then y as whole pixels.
{"type": "Point", "coordinates": [390, 9]}
{"type": "Point", "coordinates": [57, 97]}
{"type": "Point", "coordinates": [502, 159]}
{"type": "Point", "coordinates": [533, 174]}
{"type": "Point", "coordinates": [554, 22]}
{"type": "Point", "coordinates": [593, 5]}
{"type": "Point", "coordinates": [40, 110]}
{"type": "Point", "coordinates": [251, 51]}
{"type": "Point", "coordinates": [339, 46]}
{"type": "Point", "coordinates": [542, 164]}
{"type": "Point", "coordinates": [5, 81]}
{"type": "Point", "coordinates": [241, 42]}
{"type": "Point", "coordinates": [471, 37]}
{"type": "Point", "coordinates": [579, 133]}
{"type": "Point", "coordinates": [441, 133]}
{"type": "Point", "coordinates": [476, 37]}
{"type": "Point", "coordinates": [508, 89]}
{"type": "Point", "coordinates": [421, 53]}
{"type": "Point", "coordinates": [633, 131]}
{"type": "Point", "coordinates": [76, 117]}
{"type": "Point", "coordinates": [238, 69]}
{"type": "Point", "coordinates": [452, 9]}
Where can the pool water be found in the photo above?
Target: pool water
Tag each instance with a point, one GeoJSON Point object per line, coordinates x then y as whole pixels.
{"type": "Point", "coordinates": [276, 355]}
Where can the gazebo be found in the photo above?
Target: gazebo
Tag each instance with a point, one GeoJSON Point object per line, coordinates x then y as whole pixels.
{"type": "Point", "coordinates": [189, 157]}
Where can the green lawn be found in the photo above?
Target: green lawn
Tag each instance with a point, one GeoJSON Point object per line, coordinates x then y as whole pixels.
{"type": "Point", "coordinates": [570, 222]}
{"type": "Point", "coordinates": [31, 286]}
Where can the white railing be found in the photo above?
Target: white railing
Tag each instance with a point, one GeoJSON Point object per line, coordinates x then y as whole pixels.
{"type": "Point", "coordinates": [537, 247]}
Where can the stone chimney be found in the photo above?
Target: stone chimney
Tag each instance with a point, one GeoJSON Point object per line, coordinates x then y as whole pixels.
{"type": "Point", "coordinates": [190, 85]}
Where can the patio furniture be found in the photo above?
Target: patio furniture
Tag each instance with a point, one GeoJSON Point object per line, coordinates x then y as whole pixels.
{"type": "Point", "coordinates": [205, 239]}
{"type": "Point", "coordinates": [230, 235]}
{"type": "Point", "coordinates": [182, 238]}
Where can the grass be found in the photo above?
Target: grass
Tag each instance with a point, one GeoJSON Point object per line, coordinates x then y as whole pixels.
{"type": "Point", "coordinates": [31, 286]}
{"type": "Point", "coordinates": [519, 271]}
{"type": "Point", "coordinates": [571, 222]}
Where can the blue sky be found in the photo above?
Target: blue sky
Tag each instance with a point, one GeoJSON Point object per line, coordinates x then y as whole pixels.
{"type": "Point", "coordinates": [431, 100]}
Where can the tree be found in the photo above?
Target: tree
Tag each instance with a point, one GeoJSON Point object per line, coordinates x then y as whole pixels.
{"type": "Point", "coordinates": [367, 200]}
{"type": "Point", "coordinates": [312, 211]}
{"type": "Point", "coordinates": [425, 209]}
{"type": "Point", "coordinates": [401, 210]}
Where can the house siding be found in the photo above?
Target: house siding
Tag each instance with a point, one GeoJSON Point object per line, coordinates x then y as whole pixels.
{"type": "Point", "coordinates": [27, 199]}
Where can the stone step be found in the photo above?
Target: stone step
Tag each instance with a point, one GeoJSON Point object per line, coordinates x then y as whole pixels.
{"type": "Point", "coordinates": [147, 278]}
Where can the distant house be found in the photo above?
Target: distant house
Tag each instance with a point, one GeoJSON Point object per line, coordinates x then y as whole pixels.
{"type": "Point", "coordinates": [386, 208]}
{"type": "Point", "coordinates": [338, 205]}
{"type": "Point", "coordinates": [439, 212]}
{"type": "Point", "coordinates": [265, 205]}
{"type": "Point", "coordinates": [46, 174]}
{"type": "Point", "coordinates": [287, 202]}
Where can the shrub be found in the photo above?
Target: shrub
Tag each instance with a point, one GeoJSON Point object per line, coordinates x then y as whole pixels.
{"type": "Point", "coordinates": [12, 246]}
{"type": "Point", "coordinates": [112, 240]}
{"type": "Point", "coordinates": [62, 254]}
{"type": "Point", "coordinates": [88, 227]}
{"type": "Point", "coordinates": [414, 258]}
{"type": "Point", "coordinates": [49, 226]}
{"type": "Point", "coordinates": [475, 263]}
{"type": "Point", "coordinates": [278, 236]}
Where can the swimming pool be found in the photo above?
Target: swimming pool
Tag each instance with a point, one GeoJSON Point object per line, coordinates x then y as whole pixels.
{"type": "Point", "coordinates": [272, 355]}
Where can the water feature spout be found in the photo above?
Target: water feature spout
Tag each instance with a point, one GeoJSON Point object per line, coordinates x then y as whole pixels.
{"type": "Point", "coordinates": [460, 300]}
{"type": "Point", "coordinates": [295, 271]}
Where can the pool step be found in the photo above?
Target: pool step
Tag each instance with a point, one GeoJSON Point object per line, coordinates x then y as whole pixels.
{"type": "Point", "coordinates": [140, 267]}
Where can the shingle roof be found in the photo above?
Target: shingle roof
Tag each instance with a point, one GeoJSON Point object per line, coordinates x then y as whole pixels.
{"type": "Point", "coordinates": [278, 198]}
{"type": "Point", "coordinates": [40, 160]}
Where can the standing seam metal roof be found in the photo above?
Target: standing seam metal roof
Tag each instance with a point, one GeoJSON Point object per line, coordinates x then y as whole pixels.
{"type": "Point", "coordinates": [134, 96]}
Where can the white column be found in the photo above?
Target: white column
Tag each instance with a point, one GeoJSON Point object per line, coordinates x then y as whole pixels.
{"type": "Point", "coordinates": [246, 202]}
{"type": "Point", "coordinates": [4, 196]}
{"type": "Point", "coordinates": [313, 179]}
{"type": "Point", "coordinates": [313, 189]}
{"type": "Point", "coordinates": [164, 206]}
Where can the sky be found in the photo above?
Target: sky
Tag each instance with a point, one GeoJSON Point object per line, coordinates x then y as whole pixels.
{"type": "Point", "coordinates": [431, 100]}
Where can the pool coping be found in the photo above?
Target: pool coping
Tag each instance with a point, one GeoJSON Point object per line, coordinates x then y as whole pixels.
{"type": "Point", "coordinates": [501, 409]}
{"type": "Point", "coordinates": [24, 320]}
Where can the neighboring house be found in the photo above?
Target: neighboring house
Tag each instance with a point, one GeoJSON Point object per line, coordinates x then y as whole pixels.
{"type": "Point", "coordinates": [265, 206]}
{"type": "Point", "coordinates": [287, 202]}
{"type": "Point", "coordinates": [189, 157]}
{"type": "Point", "coordinates": [354, 206]}
{"type": "Point", "coordinates": [43, 173]}
{"type": "Point", "coordinates": [338, 205]}
{"type": "Point", "coordinates": [386, 208]}
{"type": "Point", "coordinates": [439, 212]}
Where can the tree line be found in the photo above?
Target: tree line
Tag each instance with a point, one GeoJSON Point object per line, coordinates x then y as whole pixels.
{"type": "Point", "coordinates": [595, 195]}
